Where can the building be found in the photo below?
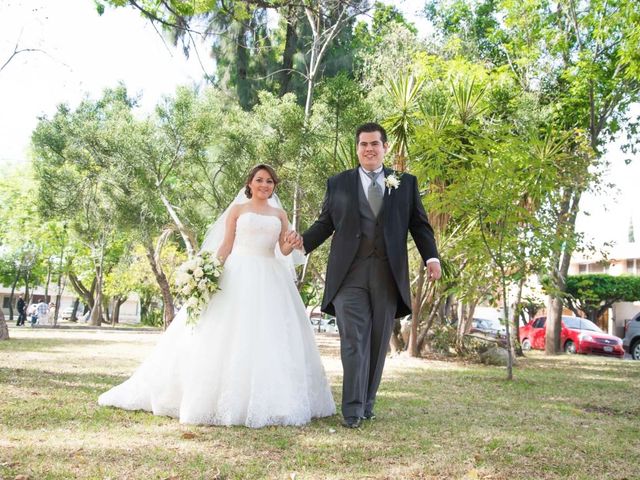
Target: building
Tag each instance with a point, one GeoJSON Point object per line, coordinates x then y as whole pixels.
{"type": "Point", "coordinates": [129, 310]}
{"type": "Point", "coordinates": [623, 259]}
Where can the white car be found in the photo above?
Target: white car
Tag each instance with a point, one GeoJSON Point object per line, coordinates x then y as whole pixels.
{"type": "Point", "coordinates": [65, 314]}
{"type": "Point", "coordinates": [327, 325]}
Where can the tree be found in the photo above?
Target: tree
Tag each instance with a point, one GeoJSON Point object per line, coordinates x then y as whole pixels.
{"type": "Point", "coordinates": [76, 174]}
{"type": "Point", "coordinates": [581, 61]}
{"type": "Point", "coordinates": [473, 137]}
{"type": "Point", "coordinates": [21, 242]}
{"type": "Point", "coordinates": [594, 294]}
{"type": "Point", "coordinates": [17, 50]}
{"type": "Point", "coordinates": [389, 32]}
{"type": "Point", "coordinates": [469, 28]}
{"type": "Point", "coordinates": [312, 38]}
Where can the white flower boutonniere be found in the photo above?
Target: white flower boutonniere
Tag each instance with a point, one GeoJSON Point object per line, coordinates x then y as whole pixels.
{"type": "Point", "coordinates": [392, 181]}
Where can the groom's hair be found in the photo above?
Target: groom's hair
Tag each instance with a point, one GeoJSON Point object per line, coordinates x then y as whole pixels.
{"type": "Point", "coordinates": [371, 127]}
{"type": "Point", "coordinates": [254, 171]}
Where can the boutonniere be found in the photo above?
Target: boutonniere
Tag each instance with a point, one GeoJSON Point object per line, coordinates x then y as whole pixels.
{"type": "Point", "coordinates": [392, 181]}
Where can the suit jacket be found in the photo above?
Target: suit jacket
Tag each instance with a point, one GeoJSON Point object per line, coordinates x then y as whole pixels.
{"type": "Point", "coordinates": [402, 213]}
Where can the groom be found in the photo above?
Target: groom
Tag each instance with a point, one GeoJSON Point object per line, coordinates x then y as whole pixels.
{"type": "Point", "coordinates": [369, 214]}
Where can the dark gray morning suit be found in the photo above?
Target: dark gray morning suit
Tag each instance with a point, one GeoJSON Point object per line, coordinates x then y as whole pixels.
{"type": "Point", "coordinates": [367, 281]}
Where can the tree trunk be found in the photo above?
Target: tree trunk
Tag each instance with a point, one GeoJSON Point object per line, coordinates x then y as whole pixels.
{"type": "Point", "coordinates": [514, 338]}
{"type": "Point", "coordinates": [416, 310]}
{"type": "Point", "coordinates": [105, 308]}
{"type": "Point", "coordinates": [27, 296]}
{"type": "Point", "coordinates": [422, 337]}
{"type": "Point", "coordinates": [190, 242]}
{"type": "Point", "coordinates": [153, 255]}
{"type": "Point", "coordinates": [86, 294]}
{"type": "Point", "coordinates": [290, 46]}
{"type": "Point", "coordinates": [58, 299]}
{"type": "Point", "coordinates": [13, 289]}
{"type": "Point", "coordinates": [117, 303]}
{"type": "Point", "coordinates": [4, 329]}
{"type": "Point", "coordinates": [74, 312]}
{"type": "Point", "coordinates": [96, 312]}
{"type": "Point", "coordinates": [566, 225]}
{"type": "Point", "coordinates": [48, 281]}
{"type": "Point", "coordinates": [505, 307]}
{"type": "Point", "coordinates": [397, 345]}
{"type": "Point", "coordinates": [243, 84]}
{"type": "Point", "coordinates": [464, 324]}
{"type": "Point", "coordinates": [553, 325]}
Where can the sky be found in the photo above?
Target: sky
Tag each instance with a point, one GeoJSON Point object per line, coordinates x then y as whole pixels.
{"type": "Point", "coordinates": [82, 53]}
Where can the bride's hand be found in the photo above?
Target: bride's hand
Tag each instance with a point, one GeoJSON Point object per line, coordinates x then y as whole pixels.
{"type": "Point", "coordinates": [287, 240]}
{"type": "Point", "coordinates": [293, 239]}
{"type": "Point", "coordinates": [223, 253]}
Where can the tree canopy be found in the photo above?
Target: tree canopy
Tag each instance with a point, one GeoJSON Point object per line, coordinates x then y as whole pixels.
{"type": "Point", "coordinates": [594, 294]}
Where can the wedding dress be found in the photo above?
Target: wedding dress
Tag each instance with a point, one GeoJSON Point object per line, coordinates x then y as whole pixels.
{"type": "Point", "coordinates": [250, 360]}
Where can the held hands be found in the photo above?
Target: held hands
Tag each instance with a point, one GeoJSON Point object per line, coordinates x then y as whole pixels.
{"type": "Point", "coordinates": [293, 239]}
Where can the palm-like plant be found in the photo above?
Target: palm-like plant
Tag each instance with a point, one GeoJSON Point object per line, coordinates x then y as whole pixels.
{"type": "Point", "coordinates": [405, 93]}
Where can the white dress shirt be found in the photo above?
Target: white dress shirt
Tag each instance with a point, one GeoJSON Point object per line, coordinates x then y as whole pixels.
{"type": "Point", "coordinates": [365, 180]}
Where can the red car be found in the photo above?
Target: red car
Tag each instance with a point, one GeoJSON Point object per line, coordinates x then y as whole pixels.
{"type": "Point", "coordinates": [578, 335]}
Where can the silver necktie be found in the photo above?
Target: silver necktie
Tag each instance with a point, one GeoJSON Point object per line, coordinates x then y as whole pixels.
{"type": "Point", "coordinates": [374, 193]}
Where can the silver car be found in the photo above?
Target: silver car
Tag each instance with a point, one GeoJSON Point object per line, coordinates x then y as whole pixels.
{"type": "Point", "coordinates": [631, 340]}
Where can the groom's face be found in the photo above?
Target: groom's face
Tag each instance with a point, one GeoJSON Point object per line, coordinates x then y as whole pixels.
{"type": "Point", "coordinates": [371, 150]}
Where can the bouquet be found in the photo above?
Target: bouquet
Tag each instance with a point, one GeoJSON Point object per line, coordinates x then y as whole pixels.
{"type": "Point", "coordinates": [197, 280]}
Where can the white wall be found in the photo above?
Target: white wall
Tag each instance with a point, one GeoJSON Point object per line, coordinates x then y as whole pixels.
{"type": "Point", "coordinates": [623, 311]}
{"type": "Point", "coordinates": [129, 311]}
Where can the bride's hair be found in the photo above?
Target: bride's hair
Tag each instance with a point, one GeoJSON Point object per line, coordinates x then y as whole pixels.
{"type": "Point", "coordinates": [254, 171]}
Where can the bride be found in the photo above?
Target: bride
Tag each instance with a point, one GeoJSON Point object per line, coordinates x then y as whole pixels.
{"type": "Point", "coordinates": [251, 359]}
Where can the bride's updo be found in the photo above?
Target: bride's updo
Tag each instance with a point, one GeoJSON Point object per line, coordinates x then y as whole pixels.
{"type": "Point", "coordinates": [254, 171]}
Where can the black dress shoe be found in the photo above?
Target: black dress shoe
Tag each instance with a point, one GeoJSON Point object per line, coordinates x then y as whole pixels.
{"type": "Point", "coordinates": [369, 416]}
{"type": "Point", "coordinates": [351, 422]}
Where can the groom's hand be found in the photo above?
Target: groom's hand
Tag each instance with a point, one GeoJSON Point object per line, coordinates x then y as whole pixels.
{"type": "Point", "coordinates": [298, 242]}
{"type": "Point", "coordinates": [434, 272]}
{"type": "Point", "coordinates": [294, 239]}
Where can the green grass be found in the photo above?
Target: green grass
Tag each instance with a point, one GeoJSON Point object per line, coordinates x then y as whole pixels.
{"type": "Point", "coordinates": [564, 417]}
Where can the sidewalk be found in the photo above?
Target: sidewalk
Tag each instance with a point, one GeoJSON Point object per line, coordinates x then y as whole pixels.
{"type": "Point", "coordinates": [67, 325]}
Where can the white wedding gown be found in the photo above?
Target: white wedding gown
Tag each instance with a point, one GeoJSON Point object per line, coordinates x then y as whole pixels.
{"type": "Point", "coordinates": [250, 360]}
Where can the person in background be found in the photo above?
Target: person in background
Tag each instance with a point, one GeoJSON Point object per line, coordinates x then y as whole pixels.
{"type": "Point", "coordinates": [22, 313]}
{"type": "Point", "coordinates": [42, 313]}
{"type": "Point", "coordinates": [52, 312]}
{"type": "Point", "coordinates": [31, 313]}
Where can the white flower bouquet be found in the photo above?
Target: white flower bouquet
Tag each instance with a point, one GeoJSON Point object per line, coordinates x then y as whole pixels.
{"type": "Point", "coordinates": [197, 280]}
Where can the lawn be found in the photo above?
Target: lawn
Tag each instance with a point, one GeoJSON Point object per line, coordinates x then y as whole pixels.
{"type": "Point", "coordinates": [563, 417]}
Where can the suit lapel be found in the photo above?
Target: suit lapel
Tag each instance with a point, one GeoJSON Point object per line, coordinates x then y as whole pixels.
{"type": "Point", "coordinates": [354, 184]}
{"type": "Point", "coordinates": [388, 199]}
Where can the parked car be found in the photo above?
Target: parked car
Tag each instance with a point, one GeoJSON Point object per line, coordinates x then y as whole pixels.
{"type": "Point", "coordinates": [631, 340]}
{"type": "Point", "coordinates": [65, 314]}
{"type": "Point", "coordinates": [325, 324]}
{"type": "Point", "coordinates": [491, 328]}
{"type": "Point", "coordinates": [577, 335]}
